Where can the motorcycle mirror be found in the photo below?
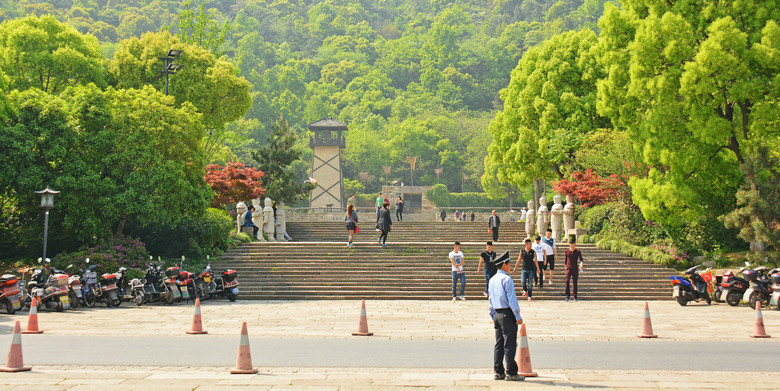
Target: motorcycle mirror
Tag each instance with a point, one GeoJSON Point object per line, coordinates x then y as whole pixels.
{"type": "Point", "coordinates": [87, 260]}
{"type": "Point", "coordinates": [747, 263]}
{"type": "Point", "coordinates": [40, 260]}
{"type": "Point", "coordinates": [48, 260]}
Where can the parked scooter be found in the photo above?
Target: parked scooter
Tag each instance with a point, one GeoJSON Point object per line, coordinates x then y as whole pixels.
{"type": "Point", "coordinates": [155, 288]}
{"type": "Point", "coordinates": [90, 290]}
{"type": "Point", "coordinates": [225, 285]}
{"type": "Point", "coordinates": [685, 290]}
{"type": "Point", "coordinates": [131, 291]}
{"type": "Point", "coordinates": [775, 278]}
{"type": "Point", "coordinates": [109, 290]}
{"type": "Point", "coordinates": [10, 293]}
{"type": "Point", "coordinates": [759, 287]}
{"type": "Point", "coordinates": [50, 288]}
{"type": "Point", "coordinates": [204, 284]}
{"type": "Point", "coordinates": [74, 286]}
{"type": "Point", "coordinates": [733, 287]}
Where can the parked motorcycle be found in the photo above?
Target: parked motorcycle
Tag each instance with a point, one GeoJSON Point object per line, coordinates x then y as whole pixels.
{"type": "Point", "coordinates": [733, 287]}
{"type": "Point", "coordinates": [10, 293]}
{"type": "Point", "coordinates": [685, 290]}
{"type": "Point", "coordinates": [90, 290]}
{"type": "Point", "coordinates": [109, 290]}
{"type": "Point", "coordinates": [130, 291]}
{"type": "Point", "coordinates": [74, 286]}
{"type": "Point", "coordinates": [759, 290]}
{"type": "Point", "coordinates": [775, 277]}
{"type": "Point", "coordinates": [204, 284]}
{"type": "Point", "coordinates": [225, 285]}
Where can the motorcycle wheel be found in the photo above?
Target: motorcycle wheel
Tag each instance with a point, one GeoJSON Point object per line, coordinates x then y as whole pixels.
{"type": "Point", "coordinates": [168, 296]}
{"type": "Point", "coordinates": [682, 300]}
{"type": "Point", "coordinates": [90, 300]}
{"type": "Point", "coordinates": [59, 307]}
{"type": "Point", "coordinates": [74, 300]}
{"type": "Point", "coordinates": [139, 299]}
{"type": "Point", "coordinates": [717, 295]}
{"type": "Point", "coordinates": [757, 297]}
{"type": "Point", "coordinates": [9, 307]}
{"type": "Point", "coordinates": [117, 302]}
{"type": "Point", "coordinates": [733, 298]}
{"type": "Point", "coordinates": [233, 297]}
{"type": "Point", "coordinates": [109, 302]}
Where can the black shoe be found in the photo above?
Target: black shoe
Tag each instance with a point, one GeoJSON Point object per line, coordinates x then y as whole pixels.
{"type": "Point", "coordinates": [515, 378]}
{"type": "Point", "coordinates": [498, 376]}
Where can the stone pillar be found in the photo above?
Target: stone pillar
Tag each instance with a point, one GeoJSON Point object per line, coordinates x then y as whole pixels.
{"type": "Point", "coordinates": [530, 221]}
{"type": "Point", "coordinates": [541, 216]}
{"type": "Point", "coordinates": [268, 219]}
{"type": "Point", "coordinates": [556, 220]}
{"type": "Point", "coordinates": [568, 215]}
{"type": "Point", "coordinates": [240, 210]}
{"type": "Point", "coordinates": [281, 222]}
{"type": "Point", "coordinates": [257, 218]}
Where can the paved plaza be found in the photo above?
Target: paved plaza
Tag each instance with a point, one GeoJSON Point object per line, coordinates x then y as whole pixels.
{"type": "Point", "coordinates": [460, 333]}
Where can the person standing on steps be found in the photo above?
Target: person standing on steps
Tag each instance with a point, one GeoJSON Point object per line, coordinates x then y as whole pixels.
{"type": "Point", "coordinates": [248, 220]}
{"type": "Point", "coordinates": [541, 254]}
{"type": "Point", "coordinates": [456, 259]}
{"type": "Point", "coordinates": [351, 220]}
{"type": "Point", "coordinates": [505, 312]}
{"type": "Point", "coordinates": [487, 257]}
{"type": "Point", "coordinates": [493, 222]}
{"type": "Point", "coordinates": [399, 209]}
{"type": "Point", "coordinates": [550, 264]}
{"type": "Point", "coordinates": [573, 261]}
{"type": "Point", "coordinates": [457, 215]}
{"type": "Point", "coordinates": [352, 201]}
{"type": "Point", "coordinates": [472, 215]}
{"type": "Point", "coordinates": [379, 201]}
{"type": "Point", "coordinates": [530, 268]}
{"type": "Point", "coordinates": [383, 223]}
{"type": "Point", "coordinates": [443, 215]}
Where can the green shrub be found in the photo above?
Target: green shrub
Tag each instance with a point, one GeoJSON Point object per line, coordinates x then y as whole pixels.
{"type": "Point", "coordinates": [194, 237]}
{"type": "Point", "coordinates": [594, 219]}
{"type": "Point", "coordinates": [475, 200]}
{"type": "Point", "coordinates": [644, 253]}
{"type": "Point", "coordinates": [241, 237]}
{"type": "Point", "coordinates": [109, 255]}
{"type": "Point", "coordinates": [439, 195]}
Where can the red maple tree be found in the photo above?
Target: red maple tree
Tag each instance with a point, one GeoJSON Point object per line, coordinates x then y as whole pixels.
{"type": "Point", "coordinates": [590, 188]}
{"type": "Point", "coordinates": [234, 182]}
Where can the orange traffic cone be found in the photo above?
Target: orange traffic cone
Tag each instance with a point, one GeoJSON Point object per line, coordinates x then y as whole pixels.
{"type": "Point", "coordinates": [15, 362]}
{"type": "Point", "coordinates": [524, 356]}
{"type": "Point", "coordinates": [197, 322]}
{"type": "Point", "coordinates": [244, 359]}
{"type": "Point", "coordinates": [759, 331]}
{"type": "Point", "coordinates": [32, 320]}
{"type": "Point", "coordinates": [363, 322]}
{"type": "Point", "coordinates": [647, 325]}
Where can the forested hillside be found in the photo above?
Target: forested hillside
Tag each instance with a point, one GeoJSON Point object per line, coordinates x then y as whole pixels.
{"type": "Point", "coordinates": [411, 78]}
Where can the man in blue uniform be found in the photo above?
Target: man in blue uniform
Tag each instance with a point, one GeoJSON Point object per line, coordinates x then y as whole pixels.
{"type": "Point", "coordinates": [505, 312]}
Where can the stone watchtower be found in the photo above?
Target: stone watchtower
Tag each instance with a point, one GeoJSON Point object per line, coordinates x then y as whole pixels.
{"type": "Point", "coordinates": [327, 143]}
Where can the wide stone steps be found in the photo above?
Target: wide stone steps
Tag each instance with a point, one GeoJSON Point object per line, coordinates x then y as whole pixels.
{"type": "Point", "coordinates": [446, 232]}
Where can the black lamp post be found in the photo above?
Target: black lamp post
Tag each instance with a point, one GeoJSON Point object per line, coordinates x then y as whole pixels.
{"type": "Point", "coordinates": [47, 202]}
{"type": "Point", "coordinates": [169, 66]}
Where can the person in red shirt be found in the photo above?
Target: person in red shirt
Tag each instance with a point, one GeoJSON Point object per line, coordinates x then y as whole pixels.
{"type": "Point", "coordinates": [573, 262]}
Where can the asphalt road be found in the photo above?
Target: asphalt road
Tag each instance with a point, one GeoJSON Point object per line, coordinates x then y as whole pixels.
{"type": "Point", "coordinates": [207, 350]}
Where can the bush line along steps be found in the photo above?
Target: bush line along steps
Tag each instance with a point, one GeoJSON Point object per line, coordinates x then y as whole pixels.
{"type": "Point", "coordinates": [415, 265]}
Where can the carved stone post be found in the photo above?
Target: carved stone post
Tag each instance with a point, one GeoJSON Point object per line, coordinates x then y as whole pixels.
{"type": "Point", "coordinates": [556, 221]}
{"type": "Point", "coordinates": [281, 222]}
{"type": "Point", "coordinates": [568, 215]}
{"type": "Point", "coordinates": [530, 220]}
{"type": "Point", "coordinates": [268, 220]}
{"type": "Point", "coordinates": [541, 216]}
{"type": "Point", "coordinates": [240, 210]}
{"type": "Point", "coordinates": [257, 218]}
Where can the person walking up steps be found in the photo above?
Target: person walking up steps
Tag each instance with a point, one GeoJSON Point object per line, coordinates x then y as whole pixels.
{"type": "Point", "coordinates": [399, 209]}
{"type": "Point", "coordinates": [379, 201]}
{"type": "Point", "coordinates": [456, 259]}
{"type": "Point", "coordinates": [505, 312]}
{"type": "Point", "coordinates": [530, 268]}
{"type": "Point", "coordinates": [350, 221]}
{"type": "Point", "coordinates": [573, 261]}
{"type": "Point", "coordinates": [383, 223]}
{"type": "Point", "coordinates": [541, 256]}
{"type": "Point", "coordinates": [553, 252]}
{"type": "Point", "coordinates": [487, 257]}
{"type": "Point", "coordinates": [493, 223]}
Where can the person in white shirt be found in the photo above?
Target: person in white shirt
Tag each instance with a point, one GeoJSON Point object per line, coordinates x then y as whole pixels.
{"type": "Point", "coordinates": [457, 261]}
{"type": "Point", "coordinates": [541, 250]}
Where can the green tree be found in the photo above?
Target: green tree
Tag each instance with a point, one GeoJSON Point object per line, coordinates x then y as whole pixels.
{"type": "Point", "coordinates": [43, 53]}
{"type": "Point", "coordinates": [699, 89]}
{"type": "Point", "coordinates": [276, 159]}
{"type": "Point", "coordinates": [201, 28]}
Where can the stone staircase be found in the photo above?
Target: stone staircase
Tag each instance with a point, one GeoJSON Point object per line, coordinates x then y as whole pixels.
{"type": "Point", "coordinates": [317, 265]}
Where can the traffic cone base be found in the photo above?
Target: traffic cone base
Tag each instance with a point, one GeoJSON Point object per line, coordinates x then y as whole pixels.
{"type": "Point", "coordinates": [244, 359]}
{"type": "Point", "coordinates": [524, 355]}
{"type": "Point", "coordinates": [197, 321]}
{"type": "Point", "coordinates": [647, 325]}
{"type": "Point", "coordinates": [32, 320]}
{"type": "Point", "coordinates": [15, 361]}
{"type": "Point", "coordinates": [759, 331]}
{"type": "Point", "coordinates": [363, 322]}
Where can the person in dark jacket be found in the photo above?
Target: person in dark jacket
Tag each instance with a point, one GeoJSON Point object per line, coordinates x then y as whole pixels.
{"type": "Point", "coordinates": [443, 215]}
{"type": "Point", "coordinates": [383, 223]}
{"type": "Point", "coordinates": [399, 209]}
{"type": "Point", "coordinates": [350, 221]}
{"type": "Point", "coordinates": [248, 220]}
{"type": "Point", "coordinates": [493, 223]}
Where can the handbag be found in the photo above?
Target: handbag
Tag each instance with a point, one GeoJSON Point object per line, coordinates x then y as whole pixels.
{"type": "Point", "coordinates": [357, 229]}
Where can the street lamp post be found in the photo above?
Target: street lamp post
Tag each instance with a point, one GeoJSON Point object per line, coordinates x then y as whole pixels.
{"type": "Point", "coordinates": [438, 172]}
{"type": "Point", "coordinates": [47, 202]}
{"type": "Point", "coordinates": [169, 66]}
{"type": "Point", "coordinates": [412, 161]}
